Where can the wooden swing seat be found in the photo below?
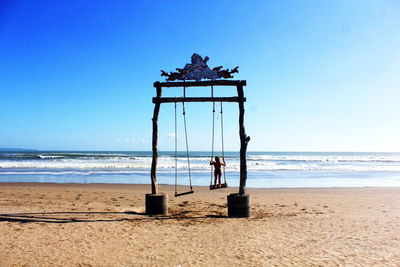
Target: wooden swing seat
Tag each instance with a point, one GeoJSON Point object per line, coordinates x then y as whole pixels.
{"type": "Point", "coordinates": [184, 193]}
{"type": "Point", "coordinates": [215, 186]}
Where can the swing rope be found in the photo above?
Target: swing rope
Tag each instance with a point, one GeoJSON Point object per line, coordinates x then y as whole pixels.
{"type": "Point", "coordinates": [176, 152]}
{"type": "Point", "coordinates": [187, 146]}
{"type": "Point", "coordinates": [187, 150]}
{"type": "Point", "coordinates": [222, 138]}
{"type": "Point", "coordinates": [212, 142]}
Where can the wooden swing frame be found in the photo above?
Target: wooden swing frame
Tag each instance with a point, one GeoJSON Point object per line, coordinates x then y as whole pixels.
{"type": "Point", "coordinates": [240, 99]}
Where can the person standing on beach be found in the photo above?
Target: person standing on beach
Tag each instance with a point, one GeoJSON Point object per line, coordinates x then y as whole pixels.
{"type": "Point", "coordinates": [217, 169]}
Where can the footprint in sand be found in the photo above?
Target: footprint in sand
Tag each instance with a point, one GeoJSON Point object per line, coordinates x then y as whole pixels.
{"type": "Point", "coordinates": [184, 203]}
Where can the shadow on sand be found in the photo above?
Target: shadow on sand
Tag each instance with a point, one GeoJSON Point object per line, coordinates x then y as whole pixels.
{"type": "Point", "coordinates": [73, 217]}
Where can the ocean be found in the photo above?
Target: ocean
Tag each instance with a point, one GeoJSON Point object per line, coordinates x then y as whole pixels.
{"type": "Point", "coordinates": [265, 169]}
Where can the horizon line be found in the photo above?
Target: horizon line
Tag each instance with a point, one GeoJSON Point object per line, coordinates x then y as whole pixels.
{"type": "Point", "coordinates": [229, 151]}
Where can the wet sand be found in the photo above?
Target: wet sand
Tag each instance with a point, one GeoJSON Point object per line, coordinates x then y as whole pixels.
{"type": "Point", "coordinates": [104, 225]}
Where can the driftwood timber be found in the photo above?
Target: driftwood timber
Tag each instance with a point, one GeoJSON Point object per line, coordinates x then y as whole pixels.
{"type": "Point", "coordinates": [244, 140]}
{"type": "Point", "coordinates": [240, 99]}
{"type": "Point", "coordinates": [195, 99]}
{"type": "Point", "coordinates": [201, 83]}
{"type": "Point", "coordinates": [154, 187]}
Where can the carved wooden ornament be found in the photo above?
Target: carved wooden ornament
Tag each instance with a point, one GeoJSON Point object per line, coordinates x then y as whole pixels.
{"type": "Point", "coordinates": [198, 70]}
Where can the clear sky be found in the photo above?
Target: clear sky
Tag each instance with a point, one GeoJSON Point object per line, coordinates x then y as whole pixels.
{"type": "Point", "coordinates": [321, 75]}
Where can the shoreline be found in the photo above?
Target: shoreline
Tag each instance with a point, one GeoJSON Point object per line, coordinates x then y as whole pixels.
{"type": "Point", "coordinates": [51, 224]}
{"type": "Point", "coordinates": [195, 186]}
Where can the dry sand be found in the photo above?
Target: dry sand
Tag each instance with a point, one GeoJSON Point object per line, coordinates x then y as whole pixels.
{"type": "Point", "coordinates": [88, 225]}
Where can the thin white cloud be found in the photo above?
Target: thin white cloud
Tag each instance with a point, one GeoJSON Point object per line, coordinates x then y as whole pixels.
{"type": "Point", "coordinates": [125, 140]}
{"type": "Point", "coordinates": [171, 135]}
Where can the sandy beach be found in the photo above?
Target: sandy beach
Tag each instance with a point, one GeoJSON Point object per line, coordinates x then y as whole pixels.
{"type": "Point", "coordinates": [104, 225]}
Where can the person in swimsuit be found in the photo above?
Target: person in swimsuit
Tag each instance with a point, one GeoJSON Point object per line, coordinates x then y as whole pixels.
{"type": "Point", "coordinates": [217, 169]}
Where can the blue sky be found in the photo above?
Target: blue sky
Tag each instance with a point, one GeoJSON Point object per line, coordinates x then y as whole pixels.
{"type": "Point", "coordinates": [321, 75]}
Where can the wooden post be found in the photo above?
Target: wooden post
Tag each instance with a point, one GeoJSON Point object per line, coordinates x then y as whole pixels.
{"type": "Point", "coordinates": [244, 140]}
{"type": "Point", "coordinates": [154, 186]}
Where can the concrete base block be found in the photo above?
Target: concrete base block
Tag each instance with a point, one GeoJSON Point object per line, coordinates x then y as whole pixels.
{"type": "Point", "coordinates": [238, 206]}
{"type": "Point", "coordinates": [156, 204]}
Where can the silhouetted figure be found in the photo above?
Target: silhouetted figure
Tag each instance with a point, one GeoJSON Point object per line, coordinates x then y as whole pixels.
{"type": "Point", "coordinates": [217, 170]}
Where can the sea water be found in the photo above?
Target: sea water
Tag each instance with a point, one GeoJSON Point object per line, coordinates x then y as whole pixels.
{"type": "Point", "coordinates": [264, 169]}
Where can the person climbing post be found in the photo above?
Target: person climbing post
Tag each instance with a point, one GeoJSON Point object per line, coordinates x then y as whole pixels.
{"type": "Point", "coordinates": [217, 170]}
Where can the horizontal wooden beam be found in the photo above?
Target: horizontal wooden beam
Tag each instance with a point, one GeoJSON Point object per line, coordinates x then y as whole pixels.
{"type": "Point", "coordinates": [195, 99]}
{"type": "Point", "coordinates": [201, 83]}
